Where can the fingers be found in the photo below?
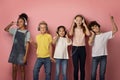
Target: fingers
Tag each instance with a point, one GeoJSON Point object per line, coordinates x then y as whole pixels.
{"type": "Point", "coordinates": [52, 60]}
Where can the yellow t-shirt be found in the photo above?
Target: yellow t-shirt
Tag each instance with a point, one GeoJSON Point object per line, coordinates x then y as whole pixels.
{"type": "Point", "coordinates": [43, 43]}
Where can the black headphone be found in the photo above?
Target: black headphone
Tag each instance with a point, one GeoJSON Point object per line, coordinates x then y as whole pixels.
{"type": "Point", "coordinates": [61, 27]}
{"type": "Point", "coordinates": [44, 24]}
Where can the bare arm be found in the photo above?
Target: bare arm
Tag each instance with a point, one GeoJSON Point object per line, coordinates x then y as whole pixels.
{"type": "Point", "coordinates": [115, 28]}
{"type": "Point", "coordinates": [34, 44]}
{"type": "Point", "coordinates": [68, 40]}
{"type": "Point", "coordinates": [51, 53]}
{"type": "Point", "coordinates": [91, 38]}
{"type": "Point", "coordinates": [87, 32]}
{"type": "Point", "coordinates": [71, 32]}
{"type": "Point", "coordinates": [55, 39]}
{"type": "Point", "coordinates": [8, 27]}
{"type": "Point", "coordinates": [26, 53]}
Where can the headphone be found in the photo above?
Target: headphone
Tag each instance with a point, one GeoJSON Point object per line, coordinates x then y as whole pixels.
{"type": "Point", "coordinates": [41, 24]}
{"type": "Point", "coordinates": [25, 22]}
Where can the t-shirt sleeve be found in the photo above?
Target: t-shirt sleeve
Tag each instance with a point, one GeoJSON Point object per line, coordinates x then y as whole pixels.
{"type": "Point", "coordinates": [28, 36]}
{"type": "Point", "coordinates": [50, 39]}
{"type": "Point", "coordinates": [12, 31]}
{"type": "Point", "coordinates": [109, 35]}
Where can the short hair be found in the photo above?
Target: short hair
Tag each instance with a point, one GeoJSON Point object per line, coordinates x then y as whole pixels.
{"type": "Point", "coordinates": [93, 23]}
{"type": "Point", "coordinates": [42, 23]}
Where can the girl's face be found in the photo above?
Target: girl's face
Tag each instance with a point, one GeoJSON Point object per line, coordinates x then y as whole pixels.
{"type": "Point", "coordinates": [43, 28]}
{"type": "Point", "coordinates": [61, 32]}
{"type": "Point", "coordinates": [20, 23]}
{"type": "Point", "coordinates": [95, 28]}
{"type": "Point", "coordinates": [78, 20]}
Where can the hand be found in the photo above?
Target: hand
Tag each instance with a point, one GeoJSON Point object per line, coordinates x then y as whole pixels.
{"type": "Point", "coordinates": [57, 35]}
{"type": "Point", "coordinates": [111, 17]}
{"type": "Point", "coordinates": [66, 36]}
{"type": "Point", "coordinates": [52, 60]}
{"type": "Point", "coordinates": [93, 33]}
{"type": "Point", "coordinates": [74, 21]}
{"type": "Point", "coordinates": [83, 21]}
{"type": "Point", "coordinates": [24, 59]}
{"type": "Point", "coordinates": [12, 23]}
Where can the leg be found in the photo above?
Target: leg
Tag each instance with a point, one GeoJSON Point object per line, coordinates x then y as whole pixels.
{"type": "Point", "coordinates": [37, 67]}
{"type": "Point", "coordinates": [103, 67]}
{"type": "Point", "coordinates": [58, 61]}
{"type": "Point", "coordinates": [47, 65]}
{"type": "Point", "coordinates": [14, 71]}
{"type": "Point", "coordinates": [64, 69]}
{"type": "Point", "coordinates": [22, 68]}
{"type": "Point", "coordinates": [75, 63]}
{"type": "Point", "coordinates": [82, 57]}
{"type": "Point", "coordinates": [95, 61]}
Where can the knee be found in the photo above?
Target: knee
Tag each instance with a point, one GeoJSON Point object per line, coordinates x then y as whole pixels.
{"type": "Point", "coordinates": [22, 69]}
{"type": "Point", "coordinates": [14, 68]}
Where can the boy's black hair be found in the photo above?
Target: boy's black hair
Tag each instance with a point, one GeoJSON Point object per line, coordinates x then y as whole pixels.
{"type": "Point", "coordinates": [93, 23]}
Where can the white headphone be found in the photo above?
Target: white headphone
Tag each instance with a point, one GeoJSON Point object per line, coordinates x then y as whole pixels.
{"type": "Point", "coordinates": [25, 21]}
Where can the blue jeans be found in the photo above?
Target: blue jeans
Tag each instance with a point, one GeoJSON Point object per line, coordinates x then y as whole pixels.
{"type": "Point", "coordinates": [47, 65]}
{"type": "Point", "coordinates": [63, 64]}
{"type": "Point", "coordinates": [102, 60]}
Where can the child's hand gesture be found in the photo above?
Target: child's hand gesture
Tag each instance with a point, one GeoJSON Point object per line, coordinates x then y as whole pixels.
{"type": "Point", "coordinates": [12, 23]}
{"type": "Point", "coordinates": [92, 33]}
{"type": "Point", "coordinates": [24, 59]}
{"type": "Point", "coordinates": [52, 60]}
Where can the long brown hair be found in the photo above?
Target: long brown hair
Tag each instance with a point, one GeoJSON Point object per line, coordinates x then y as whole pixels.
{"type": "Point", "coordinates": [75, 25]}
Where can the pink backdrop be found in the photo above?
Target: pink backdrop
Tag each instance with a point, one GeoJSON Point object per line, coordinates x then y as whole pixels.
{"type": "Point", "coordinates": [57, 13]}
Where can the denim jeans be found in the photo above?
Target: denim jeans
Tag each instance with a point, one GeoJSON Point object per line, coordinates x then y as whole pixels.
{"type": "Point", "coordinates": [47, 65]}
{"type": "Point", "coordinates": [63, 64]}
{"type": "Point", "coordinates": [102, 60]}
{"type": "Point", "coordinates": [79, 58]}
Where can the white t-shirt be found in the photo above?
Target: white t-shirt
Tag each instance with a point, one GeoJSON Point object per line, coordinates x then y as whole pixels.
{"type": "Point", "coordinates": [61, 51]}
{"type": "Point", "coordinates": [99, 47]}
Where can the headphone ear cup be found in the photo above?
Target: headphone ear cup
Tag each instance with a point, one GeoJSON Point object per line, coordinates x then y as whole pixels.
{"type": "Point", "coordinates": [38, 28]}
{"type": "Point", "coordinates": [47, 28]}
{"type": "Point", "coordinates": [25, 23]}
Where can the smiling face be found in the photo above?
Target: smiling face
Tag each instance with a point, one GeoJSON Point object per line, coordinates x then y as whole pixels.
{"type": "Point", "coordinates": [20, 23]}
{"type": "Point", "coordinates": [95, 28]}
{"type": "Point", "coordinates": [43, 28]}
{"type": "Point", "coordinates": [78, 20]}
{"type": "Point", "coordinates": [61, 32]}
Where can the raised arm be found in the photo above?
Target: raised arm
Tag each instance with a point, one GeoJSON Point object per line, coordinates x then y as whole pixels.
{"type": "Point", "coordinates": [114, 28]}
{"type": "Point", "coordinates": [55, 39]}
{"type": "Point", "coordinates": [7, 28]}
{"type": "Point", "coordinates": [71, 32]}
{"type": "Point", "coordinates": [87, 32]}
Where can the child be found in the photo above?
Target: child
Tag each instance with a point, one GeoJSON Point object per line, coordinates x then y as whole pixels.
{"type": "Point", "coordinates": [61, 53]}
{"type": "Point", "coordinates": [21, 38]}
{"type": "Point", "coordinates": [98, 41]}
{"type": "Point", "coordinates": [44, 51]}
{"type": "Point", "coordinates": [78, 31]}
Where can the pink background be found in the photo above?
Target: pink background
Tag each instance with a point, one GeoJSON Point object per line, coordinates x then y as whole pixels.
{"type": "Point", "coordinates": [55, 13]}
